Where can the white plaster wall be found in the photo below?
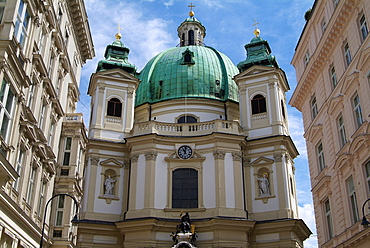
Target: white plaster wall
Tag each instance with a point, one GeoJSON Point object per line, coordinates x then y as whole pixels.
{"type": "Point", "coordinates": [140, 182]}
{"type": "Point", "coordinates": [209, 183]}
{"type": "Point", "coordinates": [112, 135]}
{"type": "Point", "coordinates": [229, 181]}
{"type": "Point", "coordinates": [161, 183]}
{"type": "Point", "coordinates": [260, 132]}
{"type": "Point", "coordinates": [86, 186]}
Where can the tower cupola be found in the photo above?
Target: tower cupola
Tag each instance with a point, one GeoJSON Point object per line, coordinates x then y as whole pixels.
{"type": "Point", "coordinates": [191, 31]}
{"type": "Point", "coordinates": [258, 53]}
{"type": "Point", "coordinates": [116, 56]}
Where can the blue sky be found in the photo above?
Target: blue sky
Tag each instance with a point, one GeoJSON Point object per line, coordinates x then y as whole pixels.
{"type": "Point", "coordinates": [150, 27]}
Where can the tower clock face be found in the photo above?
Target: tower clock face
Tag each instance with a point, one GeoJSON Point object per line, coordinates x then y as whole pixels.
{"type": "Point", "coordinates": [185, 152]}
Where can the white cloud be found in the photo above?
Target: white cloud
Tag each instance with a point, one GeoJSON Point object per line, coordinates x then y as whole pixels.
{"type": "Point", "coordinates": [306, 213]}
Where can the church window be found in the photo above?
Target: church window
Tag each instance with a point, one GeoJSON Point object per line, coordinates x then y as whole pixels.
{"type": "Point", "coordinates": [187, 119]}
{"type": "Point", "coordinates": [185, 188]}
{"type": "Point", "coordinates": [187, 58]}
{"type": "Point", "coordinates": [258, 104]}
{"type": "Point", "coordinates": [191, 37]}
{"type": "Point", "coordinates": [114, 107]}
{"type": "Point", "coordinates": [283, 109]}
{"type": "Point", "coordinates": [183, 39]}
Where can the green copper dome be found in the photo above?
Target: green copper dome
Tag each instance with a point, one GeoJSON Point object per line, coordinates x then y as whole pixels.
{"type": "Point", "coordinates": [188, 71]}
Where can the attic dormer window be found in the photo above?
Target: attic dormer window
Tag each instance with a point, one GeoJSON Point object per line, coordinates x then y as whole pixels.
{"type": "Point", "coordinates": [187, 58]}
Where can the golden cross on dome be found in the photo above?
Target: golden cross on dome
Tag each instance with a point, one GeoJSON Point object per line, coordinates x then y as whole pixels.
{"type": "Point", "coordinates": [191, 13]}
{"type": "Point", "coordinates": [118, 35]}
{"type": "Point", "coordinates": [191, 6]}
{"type": "Point", "coordinates": [255, 24]}
{"type": "Point", "coordinates": [119, 27]}
{"type": "Point", "coordinates": [256, 30]}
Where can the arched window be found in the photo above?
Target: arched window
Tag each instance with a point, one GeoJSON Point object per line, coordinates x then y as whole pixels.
{"type": "Point", "coordinates": [187, 119]}
{"type": "Point", "coordinates": [258, 104]}
{"type": "Point", "coordinates": [114, 107]}
{"type": "Point", "coordinates": [191, 37]}
{"type": "Point", "coordinates": [185, 188]}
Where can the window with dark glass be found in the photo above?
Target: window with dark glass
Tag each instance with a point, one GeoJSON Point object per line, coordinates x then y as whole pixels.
{"type": "Point", "coordinates": [329, 221]}
{"type": "Point", "coordinates": [183, 39]}
{"type": "Point", "coordinates": [114, 107]}
{"type": "Point", "coordinates": [191, 37]}
{"type": "Point", "coordinates": [347, 54]}
{"type": "Point", "coordinates": [258, 104]}
{"type": "Point", "coordinates": [185, 188]}
{"type": "Point", "coordinates": [187, 119]}
{"type": "Point", "coordinates": [282, 109]}
{"type": "Point", "coordinates": [363, 27]}
{"type": "Point", "coordinates": [314, 109]}
{"type": "Point", "coordinates": [333, 76]}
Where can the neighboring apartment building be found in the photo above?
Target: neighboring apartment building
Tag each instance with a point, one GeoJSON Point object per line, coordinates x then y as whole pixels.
{"type": "Point", "coordinates": [43, 45]}
{"type": "Point", "coordinates": [332, 65]}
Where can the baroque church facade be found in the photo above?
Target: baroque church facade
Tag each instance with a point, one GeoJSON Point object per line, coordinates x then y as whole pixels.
{"type": "Point", "coordinates": [190, 133]}
{"type": "Point", "coordinates": [192, 151]}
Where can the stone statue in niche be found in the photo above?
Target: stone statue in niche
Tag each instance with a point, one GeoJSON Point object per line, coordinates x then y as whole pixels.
{"type": "Point", "coordinates": [109, 185]}
{"type": "Point", "coordinates": [263, 184]}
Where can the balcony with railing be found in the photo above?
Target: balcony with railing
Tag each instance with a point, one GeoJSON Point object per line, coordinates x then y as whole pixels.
{"type": "Point", "coordinates": [187, 129]}
{"type": "Point", "coordinates": [73, 117]}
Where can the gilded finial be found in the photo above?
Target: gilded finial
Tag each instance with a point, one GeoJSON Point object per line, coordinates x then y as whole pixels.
{"type": "Point", "coordinates": [191, 13]}
{"type": "Point", "coordinates": [118, 34]}
{"type": "Point", "coordinates": [256, 31]}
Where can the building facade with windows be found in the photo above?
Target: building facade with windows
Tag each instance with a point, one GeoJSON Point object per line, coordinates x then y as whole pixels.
{"type": "Point", "coordinates": [333, 95]}
{"type": "Point", "coordinates": [43, 45]}
{"type": "Point", "coordinates": [191, 133]}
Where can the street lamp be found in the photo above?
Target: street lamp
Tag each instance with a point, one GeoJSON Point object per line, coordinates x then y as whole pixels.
{"type": "Point", "coordinates": [73, 221]}
{"type": "Point", "coordinates": [364, 222]}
